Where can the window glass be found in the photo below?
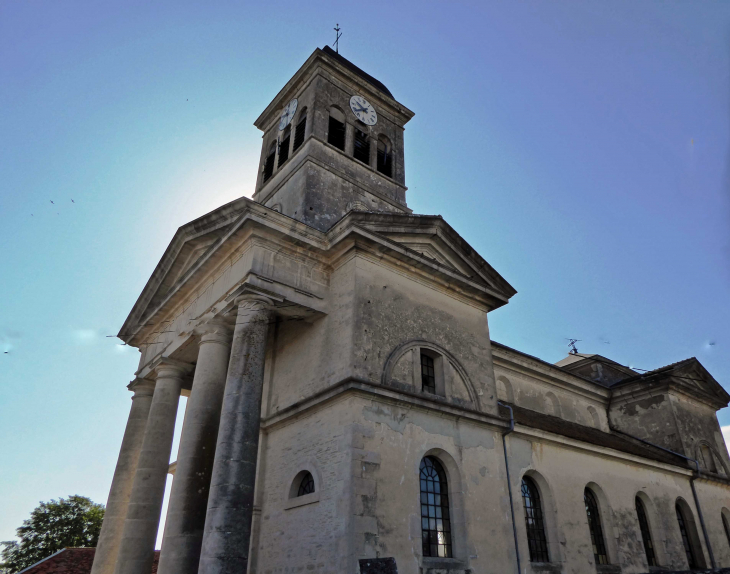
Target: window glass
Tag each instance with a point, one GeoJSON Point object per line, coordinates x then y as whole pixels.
{"type": "Point", "coordinates": [594, 524]}
{"type": "Point", "coordinates": [306, 486]}
{"type": "Point", "coordinates": [726, 526]}
{"type": "Point", "coordinates": [691, 560]}
{"type": "Point", "coordinates": [645, 533]}
{"type": "Point", "coordinates": [435, 518]}
{"type": "Point", "coordinates": [536, 540]}
{"type": "Point", "coordinates": [428, 374]}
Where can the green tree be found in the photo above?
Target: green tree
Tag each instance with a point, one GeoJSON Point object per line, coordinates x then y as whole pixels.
{"type": "Point", "coordinates": [71, 522]}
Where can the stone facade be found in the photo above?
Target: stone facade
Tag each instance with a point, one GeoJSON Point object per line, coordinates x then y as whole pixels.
{"type": "Point", "coordinates": [332, 343]}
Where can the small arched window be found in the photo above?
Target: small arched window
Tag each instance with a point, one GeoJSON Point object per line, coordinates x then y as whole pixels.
{"type": "Point", "coordinates": [435, 517]}
{"type": "Point", "coordinates": [306, 484]}
{"type": "Point", "coordinates": [336, 131]}
{"type": "Point", "coordinates": [385, 156]}
{"type": "Point", "coordinates": [594, 524]}
{"type": "Point", "coordinates": [706, 459]}
{"type": "Point", "coordinates": [645, 532]}
{"type": "Point", "coordinates": [534, 522]}
{"type": "Point", "coordinates": [361, 148]}
{"type": "Point", "coordinates": [688, 549]}
{"type": "Point", "coordinates": [284, 145]}
{"type": "Point", "coordinates": [726, 526]}
{"type": "Point", "coordinates": [269, 163]}
{"type": "Point", "coordinates": [300, 129]}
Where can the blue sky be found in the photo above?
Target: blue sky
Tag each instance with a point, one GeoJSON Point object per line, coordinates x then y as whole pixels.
{"type": "Point", "coordinates": [580, 147]}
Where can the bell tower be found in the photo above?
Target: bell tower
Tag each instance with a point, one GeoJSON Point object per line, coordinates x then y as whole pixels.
{"type": "Point", "coordinates": [332, 143]}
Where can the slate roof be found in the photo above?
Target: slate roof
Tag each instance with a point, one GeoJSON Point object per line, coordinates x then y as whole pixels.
{"type": "Point", "coordinates": [353, 68]}
{"type": "Point", "coordinates": [72, 561]}
{"type": "Point", "coordinates": [590, 435]}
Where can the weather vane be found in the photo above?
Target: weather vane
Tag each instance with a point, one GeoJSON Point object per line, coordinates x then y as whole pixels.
{"type": "Point", "coordinates": [337, 39]}
{"type": "Point", "coordinates": [573, 348]}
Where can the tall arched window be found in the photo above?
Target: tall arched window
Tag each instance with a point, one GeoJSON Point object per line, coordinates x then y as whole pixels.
{"type": "Point", "coordinates": [336, 131]}
{"type": "Point", "coordinates": [594, 524]}
{"type": "Point", "coordinates": [269, 163]}
{"type": "Point", "coordinates": [284, 146]}
{"type": "Point", "coordinates": [300, 129]}
{"type": "Point", "coordinates": [385, 156]}
{"type": "Point", "coordinates": [689, 551]}
{"type": "Point", "coordinates": [435, 518]}
{"type": "Point", "coordinates": [361, 147]}
{"type": "Point", "coordinates": [536, 540]}
{"type": "Point", "coordinates": [645, 532]}
{"type": "Point", "coordinates": [726, 526]}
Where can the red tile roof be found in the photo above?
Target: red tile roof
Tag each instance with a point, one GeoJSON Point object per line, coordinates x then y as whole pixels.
{"type": "Point", "coordinates": [72, 561]}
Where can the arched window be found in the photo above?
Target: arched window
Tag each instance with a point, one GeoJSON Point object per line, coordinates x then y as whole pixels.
{"type": "Point", "coordinates": [306, 484]}
{"type": "Point", "coordinates": [336, 131]}
{"type": "Point", "coordinates": [706, 460]}
{"type": "Point", "coordinates": [269, 163]}
{"type": "Point", "coordinates": [726, 526]}
{"type": "Point", "coordinates": [284, 146]}
{"type": "Point", "coordinates": [594, 524]}
{"type": "Point", "coordinates": [428, 374]}
{"type": "Point", "coordinates": [361, 149]}
{"type": "Point", "coordinates": [300, 129]}
{"type": "Point", "coordinates": [385, 156]}
{"type": "Point", "coordinates": [689, 551]}
{"type": "Point", "coordinates": [536, 540]}
{"type": "Point", "coordinates": [645, 532]}
{"type": "Point", "coordinates": [435, 518]}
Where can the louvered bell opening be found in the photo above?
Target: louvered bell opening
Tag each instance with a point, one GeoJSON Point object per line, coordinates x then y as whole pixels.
{"type": "Point", "coordinates": [299, 133]}
{"type": "Point", "coordinates": [362, 147]}
{"type": "Point", "coordinates": [284, 150]}
{"type": "Point", "coordinates": [269, 166]}
{"type": "Point", "coordinates": [336, 135]}
{"type": "Point", "coordinates": [385, 160]}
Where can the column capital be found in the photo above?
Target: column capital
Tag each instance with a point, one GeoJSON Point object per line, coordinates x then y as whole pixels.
{"type": "Point", "coordinates": [216, 330]}
{"type": "Point", "coordinates": [141, 387]}
{"type": "Point", "coordinates": [253, 302]}
{"type": "Point", "coordinates": [165, 367]}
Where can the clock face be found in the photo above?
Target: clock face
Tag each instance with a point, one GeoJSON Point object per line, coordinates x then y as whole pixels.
{"type": "Point", "coordinates": [288, 114]}
{"type": "Point", "coordinates": [363, 110]}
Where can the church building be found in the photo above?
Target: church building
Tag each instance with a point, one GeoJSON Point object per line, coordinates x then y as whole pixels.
{"type": "Point", "coordinates": [347, 411]}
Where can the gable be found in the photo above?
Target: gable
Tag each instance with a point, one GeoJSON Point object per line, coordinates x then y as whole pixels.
{"type": "Point", "coordinates": [428, 242]}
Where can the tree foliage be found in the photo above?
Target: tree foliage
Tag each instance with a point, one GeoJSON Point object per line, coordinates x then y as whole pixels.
{"type": "Point", "coordinates": [67, 522]}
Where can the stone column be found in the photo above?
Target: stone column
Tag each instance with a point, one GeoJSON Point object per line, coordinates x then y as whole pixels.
{"type": "Point", "coordinates": [189, 497]}
{"type": "Point", "coordinates": [230, 503]}
{"type": "Point", "coordinates": [143, 517]}
{"type": "Point", "coordinates": [116, 506]}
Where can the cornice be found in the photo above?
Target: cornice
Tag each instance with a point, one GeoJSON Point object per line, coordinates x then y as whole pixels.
{"type": "Point", "coordinates": [319, 62]}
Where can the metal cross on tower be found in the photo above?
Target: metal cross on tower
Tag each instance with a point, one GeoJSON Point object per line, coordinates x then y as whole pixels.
{"type": "Point", "coordinates": [337, 39]}
{"type": "Point", "coordinates": [573, 348]}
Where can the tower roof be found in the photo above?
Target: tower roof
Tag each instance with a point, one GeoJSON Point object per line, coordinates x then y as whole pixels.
{"type": "Point", "coordinates": [353, 68]}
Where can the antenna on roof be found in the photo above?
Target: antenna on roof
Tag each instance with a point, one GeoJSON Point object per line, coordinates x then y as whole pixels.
{"type": "Point", "coordinates": [337, 39]}
{"type": "Point", "coordinates": [573, 348]}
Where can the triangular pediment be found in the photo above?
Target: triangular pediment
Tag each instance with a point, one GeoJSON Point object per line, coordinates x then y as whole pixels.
{"type": "Point", "coordinates": [692, 375]}
{"type": "Point", "coordinates": [432, 244]}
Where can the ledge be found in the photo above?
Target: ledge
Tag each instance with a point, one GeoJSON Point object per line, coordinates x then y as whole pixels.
{"type": "Point", "coordinates": [438, 565]}
{"type": "Point", "coordinates": [546, 567]}
{"type": "Point", "coordinates": [301, 501]}
{"type": "Point", "coordinates": [608, 569]}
